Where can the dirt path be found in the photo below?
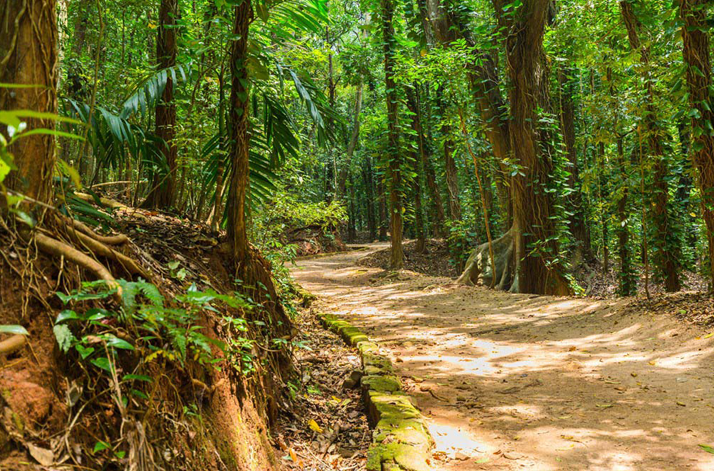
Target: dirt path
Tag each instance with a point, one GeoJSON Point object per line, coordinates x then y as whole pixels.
{"type": "Point", "coordinates": [511, 382]}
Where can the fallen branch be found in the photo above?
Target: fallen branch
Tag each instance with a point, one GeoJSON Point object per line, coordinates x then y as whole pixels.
{"type": "Point", "coordinates": [55, 247]}
{"type": "Point", "coordinates": [12, 344]}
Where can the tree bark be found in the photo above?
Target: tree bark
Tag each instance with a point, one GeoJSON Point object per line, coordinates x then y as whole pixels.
{"type": "Point", "coordinates": [163, 186]}
{"type": "Point", "coordinates": [666, 256]}
{"type": "Point", "coordinates": [394, 169]}
{"type": "Point", "coordinates": [699, 80]}
{"type": "Point", "coordinates": [28, 56]}
{"type": "Point", "coordinates": [534, 236]}
{"type": "Point", "coordinates": [239, 108]}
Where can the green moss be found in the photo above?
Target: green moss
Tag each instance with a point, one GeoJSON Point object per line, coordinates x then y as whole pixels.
{"type": "Point", "coordinates": [381, 383]}
{"type": "Point", "coordinates": [397, 456]}
{"type": "Point", "coordinates": [352, 335]}
{"type": "Point", "coordinates": [367, 347]}
{"type": "Point", "coordinates": [376, 364]}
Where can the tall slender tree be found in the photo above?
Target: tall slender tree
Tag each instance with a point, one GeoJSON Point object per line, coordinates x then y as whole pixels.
{"type": "Point", "coordinates": [667, 257]}
{"type": "Point", "coordinates": [164, 183]}
{"type": "Point", "coordinates": [395, 177]}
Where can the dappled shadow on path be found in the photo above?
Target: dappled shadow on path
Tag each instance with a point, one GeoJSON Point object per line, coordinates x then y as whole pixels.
{"type": "Point", "coordinates": [528, 382]}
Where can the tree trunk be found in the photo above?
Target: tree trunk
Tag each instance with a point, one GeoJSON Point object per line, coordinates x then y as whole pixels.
{"type": "Point", "coordinates": [164, 184]}
{"type": "Point", "coordinates": [382, 210]}
{"type": "Point", "coordinates": [627, 277]}
{"type": "Point", "coordinates": [666, 255]}
{"type": "Point", "coordinates": [239, 109]}
{"type": "Point", "coordinates": [368, 179]}
{"type": "Point", "coordinates": [394, 169]}
{"type": "Point", "coordinates": [28, 56]}
{"type": "Point", "coordinates": [535, 231]}
{"type": "Point", "coordinates": [699, 79]}
{"type": "Point", "coordinates": [577, 225]}
{"type": "Point", "coordinates": [354, 139]}
{"type": "Point", "coordinates": [437, 205]}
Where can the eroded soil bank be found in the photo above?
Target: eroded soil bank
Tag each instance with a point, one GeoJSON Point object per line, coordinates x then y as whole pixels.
{"type": "Point", "coordinates": [531, 382]}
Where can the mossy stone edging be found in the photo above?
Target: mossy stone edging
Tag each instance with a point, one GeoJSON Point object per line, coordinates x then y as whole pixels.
{"type": "Point", "coordinates": [400, 438]}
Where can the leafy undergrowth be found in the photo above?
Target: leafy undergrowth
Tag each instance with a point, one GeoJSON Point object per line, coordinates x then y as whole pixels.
{"type": "Point", "coordinates": [178, 372]}
{"type": "Point", "coordinates": [435, 261]}
{"type": "Point", "coordinates": [327, 427]}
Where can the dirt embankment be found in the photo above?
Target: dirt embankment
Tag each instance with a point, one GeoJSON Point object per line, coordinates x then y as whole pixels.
{"type": "Point", "coordinates": [60, 413]}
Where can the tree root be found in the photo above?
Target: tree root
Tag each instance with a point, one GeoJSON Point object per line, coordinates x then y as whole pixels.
{"type": "Point", "coordinates": [12, 344]}
{"type": "Point", "coordinates": [106, 240]}
{"type": "Point", "coordinates": [99, 248]}
{"type": "Point", "coordinates": [55, 247]}
{"type": "Point", "coordinates": [109, 203]}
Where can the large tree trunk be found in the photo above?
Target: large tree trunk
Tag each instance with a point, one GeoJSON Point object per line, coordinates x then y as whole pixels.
{"type": "Point", "coordinates": [395, 171]}
{"type": "Point", "coordinates": [666, 256]}
{"type": "Point", "coordinates": [28, 56]}
{"type": "Point", "coordinates": [699, 79]}
{"type": "Point", "coordinates": [577, 225]}
{"type": "Point", "coordinates": [533, 208]}
{"type": "Point", "coordinates": [164, 184]}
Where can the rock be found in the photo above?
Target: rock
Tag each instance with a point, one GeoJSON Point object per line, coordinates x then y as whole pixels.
{"type": "Point", "coordinates": [461, 456]}
{"type": "Point", "coordinates": [353, 380]}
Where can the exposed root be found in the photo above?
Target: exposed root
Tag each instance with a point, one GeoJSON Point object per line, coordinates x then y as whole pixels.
{"type": "Point", "coordinates": [99, 248]}
{"type": "Point", "coordinates": [107, 240]}
{"type": "Point", "coordinates": [55, 247]}
{"type": "Point", "coordinates": [12, 344]}
{"type": "Point", "coordinates": [109, 203]}
{"type": "Point", "coordinates": [479, 268]}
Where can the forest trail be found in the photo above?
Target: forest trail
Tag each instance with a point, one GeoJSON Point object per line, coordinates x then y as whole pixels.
{"type": "Point", "coordinates": [511, 382]}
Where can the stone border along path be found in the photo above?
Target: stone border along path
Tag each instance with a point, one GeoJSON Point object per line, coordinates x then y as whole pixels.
{"type": "Point", "coordinates": [400, 438]}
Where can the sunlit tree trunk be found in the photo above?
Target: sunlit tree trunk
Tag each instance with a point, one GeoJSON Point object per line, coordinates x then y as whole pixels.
{"type": "Point", "coordinates": [28, 56]}
{"type": "Point", "coordinates": [699, 79]}
{"type": "Point", "coordinates": [666, 256]}
{"type": "Point", "coordinates": [394, 168]}
{"type": "Point", "coordinates": [532, 206]}
{"type": "Point", "coordinates": [163, 187]}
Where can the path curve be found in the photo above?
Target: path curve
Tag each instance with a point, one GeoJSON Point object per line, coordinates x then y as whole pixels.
{"type": "Point", "coordinates": [512, 382]}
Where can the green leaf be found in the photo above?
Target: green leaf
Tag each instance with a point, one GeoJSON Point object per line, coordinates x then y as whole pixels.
{"type": "Point", "coordinates": [103, 363]}
{"type": "Point", "coordinates": [13, 329]}
{"type": "Point", "coordinates": [100, 446]}
{"type": "Point", "coordinates": [116, 342]}
{"type": "Point", "coordinates": [64, 337]}
{"type": "Point", "coordinates": [66, 315]}
{"type": "Point", "coordinates": [707, 448]}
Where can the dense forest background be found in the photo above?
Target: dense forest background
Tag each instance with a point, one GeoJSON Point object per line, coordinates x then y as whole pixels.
{"type": "Point", "coordinates": [581, 131]}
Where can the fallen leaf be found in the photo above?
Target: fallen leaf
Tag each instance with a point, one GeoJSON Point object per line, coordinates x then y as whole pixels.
{"type": "Point", "coordinates": [707, 448]}
{"type": "Point", "coordinates": [42, 455]}
{"type": "Point", "coordinates": [314, 427]}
